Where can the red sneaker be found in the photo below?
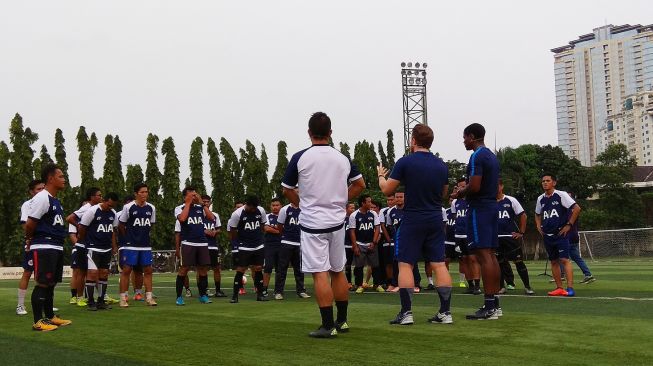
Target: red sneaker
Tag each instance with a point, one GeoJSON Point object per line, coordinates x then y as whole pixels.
{"type": "Point", "coordinates": [139, 297]}
{"type": "Point", "coordinates": [558, 292]}
{"type": "Point", "coordinates": [242, 291]}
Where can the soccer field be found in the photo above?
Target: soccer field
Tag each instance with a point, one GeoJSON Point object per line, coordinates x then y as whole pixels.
{"type": "Point", "coordinates": [609, 322]}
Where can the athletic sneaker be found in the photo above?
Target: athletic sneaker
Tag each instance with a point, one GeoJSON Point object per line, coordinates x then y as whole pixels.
{"type": "Point", "coordinates": [92, 306]}
{"type": "Point", "coordinates": [20, 310]}
{"type": "Point", "coordinates": [570, 292]}
{"type": "Point", "coordinates": [588, 279]}
{"type": "Point", "coordinates": [558, 292]}
{"type": "Point", "coordinates": [73, 300]}
{"type": "Point", "coordinates": [563, 279]}
{"type": "Point", "coordinates": [462, 284]}
{"type": "Point", "coordinates": [403, 318]}
{"type": "Point", "coordinates": [342, 327]}
{"type": "Point", "coordinates": [366, 285]}
{"type": "Point", "coordinates": [56, 320]}
{"type": "Point", "coordinates": [189, 293]}
{"type": "Point", "coordinates": [205, 300]}
{"type": "Point", "coordinates": [510, 287]}
{"type": "Point", "coordinates": [261, 298]}
{"type": "Point", "coordinates": [103, 306]}
{"type": "Point", "coordinates": [483, 314]}
{"type": "Point", "coordinates": [180, 301]}
{"type": "Point", "coordinates": [529, 291]}
{"type": "Point", "coordinates": [430, 287]}
{"type": "Point", "coordinates": [360, 290]}
{"type": "Point", "coordinates": [44, 325]}
{"type": "Point", "coordinates": [396, 289]}
{"type": "Point", "coordinates": [302, 294]}
{"type": "Point", "coordinates": [442, 318]}
{"type": "Point", "coordinates": [477, 291]}
{"type": "Point", "coordinates": [379, 289]}
{"type": "Point", "coordinates": [139, 297]}
{"type": "Point", "coordinates": [242, 291]}
{"type": "Point", "coordinates": [264, 293]}
{"type": "Point", "coordinates": [322, 332]}
{"type": "Point", "coordinates": [502, 291]}
{"type": "Point", "coordinates": [499, 311]}
{"type": "Point", "coordinates": [219, 293]}
{"type": "Point", "coordinates": [278, 296]}
{"type": "Point", "coordinates": [82, 302]}
{"type": "Point", "coordinates": [123, 302]}
{"type": "Point", "coordinates": [150, 302]}
{"type": "Point", "coordinates": [110, 300]}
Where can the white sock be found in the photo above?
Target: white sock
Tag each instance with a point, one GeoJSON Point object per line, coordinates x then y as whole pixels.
{"type": "Point", "coordinates": [462, 277]}
{"type": "Point", "coordinates": [430, 280]}
{"type": "Point", "coordinates": [148, 295]}
{"type": "Point", "coordinates": [123, 295]}
{"type": "Point", "coordinates": [21, 297]}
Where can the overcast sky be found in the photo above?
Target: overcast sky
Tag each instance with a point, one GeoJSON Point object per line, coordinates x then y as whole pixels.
{"type": "Point", "coordinates": [257, 69]}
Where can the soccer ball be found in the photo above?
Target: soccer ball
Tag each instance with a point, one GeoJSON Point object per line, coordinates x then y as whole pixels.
{"type": "Point", "coordinates": [244, 280]}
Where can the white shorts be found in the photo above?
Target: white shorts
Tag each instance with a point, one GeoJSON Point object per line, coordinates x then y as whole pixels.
{"type": "Point", "coordinates": [323, 252]}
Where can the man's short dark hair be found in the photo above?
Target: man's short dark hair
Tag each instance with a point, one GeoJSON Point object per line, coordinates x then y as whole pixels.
{"type": "Point", "coordinates": [475, 129]}
{"type": "Point", "coordinates": [461, 179]}
{"type": "Point", "coordinates": [206, 197]}
{"type": "Point", "coordinates": [237, 202]}
{"type": "Point", "coordinates": [186, 190]}
{"type": "Point", "coordinates": [91, 192]}
{"type": "Point", "coordinates": [139, 186]}
{"type": "Point", "coordinates": [553, 177]}
{"type": "Point", "coordinates": [128, 198]}
{"type": "Point", "coordinates": [319, 125]}
{"type": "Point", "coordinates": [252, 201]}
{"type": "Point", "coordinates": [362, 198]}
{"type": "Point", "coordinates": [47, 171]}
{"type": "Point", "coordinates": [32, 185]}
{"type": "Point", "coordinates": [376, 203]}
{"type": "Point", "coordinates": [111, 196]}
{"type": "Point", "coordinates": [275, 199]}
{"type": "Point", "coordinates": [423, 135]}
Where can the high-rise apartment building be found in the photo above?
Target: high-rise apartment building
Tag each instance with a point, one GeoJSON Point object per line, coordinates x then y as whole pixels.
{"type": "Point", "coordinates": [593, 76]}
{"type": "Point", "coordinates": [633, 127]}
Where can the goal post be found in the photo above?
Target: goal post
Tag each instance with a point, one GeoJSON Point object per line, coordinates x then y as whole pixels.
{"type": "Point", "coordinates": [620, 243]}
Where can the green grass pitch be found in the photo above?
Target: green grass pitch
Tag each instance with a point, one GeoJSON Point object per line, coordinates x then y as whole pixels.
{"type": "Point", "coordinates": [609, 322]}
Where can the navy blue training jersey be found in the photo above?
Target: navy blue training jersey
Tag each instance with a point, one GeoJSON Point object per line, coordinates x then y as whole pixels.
{"type": "Point", "coordinates": [212, 225]}
{"type": "Point", "coordinates": [50, 231]}
{"type": "Point", "coordinates": [250, 228]}
{"type": "Point", "coordinates": [555, 210]}
{"type": "Point", "coordinates": [459, 208]}
{"type": "Point", "coordinates": [451, 226]}
{"type": "Point", "coordinates": [363, 225]}
{"type": "Point", "coordinates": [138, 222]}
{"type": "Point", "coordinates": [100, 226]}
{"type": "Point", "coordinates": [393, 220]}
{"type": "Point", "coordinates": [272, 239]}
{"type": "Point", "coordinates": [289, 218]}
{"type": "Point", "coordinates": [424, 176]}
{"type": "Point", "coordinates": [483, 163]}
{"type": "Point", "coordinates": [192, 229]}
{"type": "Point", "coordinates": [509, 210]}
{"type": "Point", "coordinates": [347, 238]}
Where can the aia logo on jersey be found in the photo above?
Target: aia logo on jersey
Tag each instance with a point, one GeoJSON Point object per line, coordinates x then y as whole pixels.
{"type": "Point", "coordinates": [58, 220]}
{"type": "Point", "coordinates": [293, 221]}
{"type": "Point", "coordinates": [106, 228]}
{"type": "Point", "coordinates": [253, 225]}
{"type": "Point", "coordinates": [504, 214]}
{"type": "Point", "coordinates": [461, 213]}
{"type": "Point", "coordinates": [366, 226]}
{"type": "Point", "coordinates": [142, 222]}
{"type": "Point", "coordinates": [195, 221]}
{"type": "Point", "coordinates": [209, 226]}
{"type": "Point", "coordinates": [551, 214]}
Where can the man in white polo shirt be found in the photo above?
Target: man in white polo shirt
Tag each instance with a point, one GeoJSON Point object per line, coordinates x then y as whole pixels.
{"type": "Point", "coordinates": [327, 180]}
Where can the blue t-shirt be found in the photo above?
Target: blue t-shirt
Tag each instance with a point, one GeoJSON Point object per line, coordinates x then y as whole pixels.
{"type": "Point", "coordinates": [138, 221]}
{"type": "Point", "coordinates": [192, 229]}
{"type": "Point", "coordinates": [250, 228]}
{"type": "Point", "coordinates": [509, 209]}
{"type": "Point", "coordinates": [393, 221]}
{"type": "Point", "coordinates": [459, 208]}
{"type": "Point", "coordinates": [289, 218]}
{"type": "Point", "coordinates": [485, 164]}
{"type": "Point", "coordinates": [50, 230]}
{"type": "Point", "coordinates": [272, 240]}
{"type": "Point", "coordinates": [451, 226]}
{"type": "Point", "coordinates": [99, 228]}
{"type": "Point", "coordinates": [424, 176]}
{"type": "Point", "coordinates": [212, 225]}
{"type": "Point", "coordinates": [555, 211]}
{"type": "Point", "coordinates": [363, 225]}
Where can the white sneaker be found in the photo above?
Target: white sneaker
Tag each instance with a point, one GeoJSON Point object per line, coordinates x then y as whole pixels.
{"type": "Point", "coordinates": [55, 310]}
{"type": "Point", "coordinates": [20, 310]}
{"type": "Point", "coordinates": [278, 296]}
{"type": "Point", "coordinates": [499, 312]}
{"type": "Point", "coordinates": [303, 295]}
{"type": "Point", "coordinates": [442, 318]}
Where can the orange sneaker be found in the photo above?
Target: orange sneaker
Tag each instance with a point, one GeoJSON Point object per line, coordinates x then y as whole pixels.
{"type": "Point", "coordinates": [139, 297]}
{"type": "Point", "coordinates": [558, 292]}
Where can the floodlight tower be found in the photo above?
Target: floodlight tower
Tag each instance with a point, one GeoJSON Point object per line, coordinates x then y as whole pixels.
{"type": "Point", "coordinates": [413, 87]}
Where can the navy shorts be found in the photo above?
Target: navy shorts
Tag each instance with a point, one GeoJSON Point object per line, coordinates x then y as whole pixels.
{"type": "Point", "coordinates": [132, 258]}
{"type": "Point", "coordinates": [388, 253]}
{"type": "Point", "coordinates": [271, 261]}
{"type": "Point", "coordinates": [556, 247]}
{"type": "Point", "coordinates": [216, 260]}
{"type": "Point", "coordinates": [28, 261]}
{"type": "Point", "coordinates": [48, 266]}
{"type": "Point", "coordinates": [79, 258]}
{"type": "Point", "coordinates": [420, 240]}
{"type": "Point", "coordinates": [248, 258]}
{"type": "Point", "coordinates": [482, 228]}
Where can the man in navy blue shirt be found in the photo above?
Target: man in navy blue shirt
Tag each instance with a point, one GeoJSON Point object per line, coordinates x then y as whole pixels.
{"type": "Point", "coordinates": [272, 246]}
{"type": "Point", "coordinates": [555, 215]}
{"type": "Point", "coordinates": [288, 225]}
{"type": "Point", "coordinates": [364, 233]}
{"type": "Point", "coordinates": [482, 223]}
{"type": "Point", "coordinates": [469, 263]}
{"type": "Point", "coordinates": [421, 234]}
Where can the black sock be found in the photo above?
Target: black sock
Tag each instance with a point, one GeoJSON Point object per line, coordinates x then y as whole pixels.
{"type": "Point", "coordinates": [217, 286]}
{"type": "Point", "coordinates": [90, 290]}
{"type": "Point", "coordinates": [73, 292]}
{"type": "Point", "coordinates": [342, 310]}
{"type": "Point", "coordinates": [523, 273]}
{"type": "Point", "coordinates": [470, 284]}
{"type": "Point", "coordinates": [203, 285]}
{"type": "Point", "coordinates": [48, 304]}
{"type": "Point", "coordinates": [358, 276]}
{"type": "Point", "coordinates": [327, 316]}
{"type": "Point", "coordinates": [103, 290]}
{"type": "Point", "coordinates": [445, 299]}
{"type": "Point", "coordinates": [477, 284]}
{"type": "Point", "coordinates": [406, 297]}
{"type": "Point", "coordinates": [348, 273]}
{"type": "Point", "coordinates": [238, 283]}
{"type": "Point", "coordinates": [179, 285]}
{"type": "Point", "coordinates": [489, 302]}
{"type": "Point", "coordinates": [258, 282]}
{"type": "Point", "coordinates": [496, 301]}
{"type": "Point", "coordinates": [38, 298]}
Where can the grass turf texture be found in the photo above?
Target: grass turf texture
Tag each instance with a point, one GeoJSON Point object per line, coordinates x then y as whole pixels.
{"type": "Point", "coordinates": [587, 330]}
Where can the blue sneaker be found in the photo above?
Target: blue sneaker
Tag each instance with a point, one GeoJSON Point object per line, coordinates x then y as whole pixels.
{"type": "Point", "coordinates": [570, 292]}
{"type": "Point", "coordinates": [180, 301]}
{"type": "Point", "coordinates": [204, 299]}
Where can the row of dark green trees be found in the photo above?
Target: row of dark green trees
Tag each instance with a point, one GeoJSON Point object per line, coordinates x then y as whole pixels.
{"type": "Point", "coordinates": [235, 174]}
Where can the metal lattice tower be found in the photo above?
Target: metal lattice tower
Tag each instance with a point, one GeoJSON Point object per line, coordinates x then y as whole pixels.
{"type": "Point", "coordinates": [413, 88]}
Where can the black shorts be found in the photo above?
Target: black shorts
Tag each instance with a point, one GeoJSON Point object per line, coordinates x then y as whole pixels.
{"type": "Point", "coordinates": [248, 258]}
{"type": "Point", "coordinates": [48, 266]}
{"type": "Point", "coordinates": [271, 257]}
{"type": "Point", "coordinates": [349, 253]}
{"type": "Point", "coordinates": [99, 260]}
{"type": "Point", "coordinates": [388, 254]}
{"type": "Point", "coordinates": [194, 255]}
{"type": "Point", "coordinates": [509, 249]}
{"type": "Point", "coordinates": [216, 259]}
{"type": "Point", "coordinates": [461, 243]}
{"type": "Point", "coordinates": [451, 252]}
{"type": "Point", "coordinates": [78, 258]}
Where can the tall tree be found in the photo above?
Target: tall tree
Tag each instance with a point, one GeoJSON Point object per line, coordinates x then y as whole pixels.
{"type": "Point", "coordinates": [280, 169]}
{"type": "Point", "coordinates": [134, 176]}
{"type": "Point", "coordinates": [112, 179]}
{"type": "Point", "coordinates": [366, 161]}
{"type": "Point", "coordinates": [231, 171]}
{"type": "Point", "coordinates": [67, 197]}
{"type": "Point", "coordinates": [197, 165]}
{"type": "Point", "coordinates": [390, 149]}
{"type": "Point", "coordinates": [222, 203]}
{"type": "Point", "coordinates": [6, 221]}
{"type": "Point", "coordinates": [344, 149]}
{"type": "Point", "coordinates": [171, 195]}
{"type": "Point", "coordinates": [152, 173]}
{"type": "Point", "coordinates": [382, 156]}
{"type": "Point", "coordinates": [86, 146]}
{"type": "Point", "coordinates": [255, 177]}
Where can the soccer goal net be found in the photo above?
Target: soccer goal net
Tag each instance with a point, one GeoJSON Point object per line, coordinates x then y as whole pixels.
{"type": "Point", "coordinates": [616, 243]}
